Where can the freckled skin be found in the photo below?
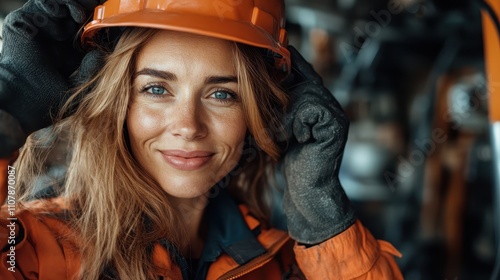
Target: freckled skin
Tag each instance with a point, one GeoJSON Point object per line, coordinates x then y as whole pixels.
{"type": "Point", "coordinates": [186, 117]}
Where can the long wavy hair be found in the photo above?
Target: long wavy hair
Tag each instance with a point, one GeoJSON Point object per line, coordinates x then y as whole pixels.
{"type": "Point", "coordinates": [117, 210]}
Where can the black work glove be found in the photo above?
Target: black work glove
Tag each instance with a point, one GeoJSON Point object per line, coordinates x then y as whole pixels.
{"type": "Point", "coordinates": [39, 55]}
{"type": "Point", "coordinates": [315, 204]}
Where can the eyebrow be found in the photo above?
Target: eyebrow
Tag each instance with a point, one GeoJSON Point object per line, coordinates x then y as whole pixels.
{"type": "Point", "coordinates": [221, 80]}
{"type": "Point", "coordinates": [169, 76]}
{"type": "Point", "coordinates": [156, 73]}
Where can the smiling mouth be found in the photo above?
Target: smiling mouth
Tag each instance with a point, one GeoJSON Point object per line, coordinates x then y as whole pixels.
{"type": "Point", "coordinates": [187, 160]}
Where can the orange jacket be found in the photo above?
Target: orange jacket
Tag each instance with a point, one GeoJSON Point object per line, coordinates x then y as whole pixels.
{"type": "Point", "coordinates": [32, 249]}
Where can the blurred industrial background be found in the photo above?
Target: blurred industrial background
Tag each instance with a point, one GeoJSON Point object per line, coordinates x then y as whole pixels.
{"type": "Point", "coordinates": [418, 163]}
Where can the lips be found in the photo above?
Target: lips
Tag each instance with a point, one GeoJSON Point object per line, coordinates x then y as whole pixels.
{"type": "Point", "coordinates": [187, 160]}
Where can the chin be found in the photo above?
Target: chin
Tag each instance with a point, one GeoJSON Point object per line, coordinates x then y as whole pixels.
{"type": "Point", "coordinates": [186, 189]}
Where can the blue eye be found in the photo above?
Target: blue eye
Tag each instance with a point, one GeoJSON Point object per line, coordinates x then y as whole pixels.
{"type": "Point", "coordinates": [222, 95]}
{"type": "Point", "coordinates": [156, 90]}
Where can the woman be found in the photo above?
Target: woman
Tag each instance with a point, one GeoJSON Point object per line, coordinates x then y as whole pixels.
{"type": "Point", "coordinates": [173, 143]}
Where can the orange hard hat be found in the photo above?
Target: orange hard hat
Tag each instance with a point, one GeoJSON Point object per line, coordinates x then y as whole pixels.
{"type": "Point", "coordinates": [259, 23]}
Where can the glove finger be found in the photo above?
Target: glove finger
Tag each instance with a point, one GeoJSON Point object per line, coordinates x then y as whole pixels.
{"type": "Point", "coordinates": [81, 10]}
{"type": "Point", "coordinates": [61, 30]}
{"type": "Point", "coordinates": [91, 63]}
{"type": "Point", "coordinates": [89, 5]}
{"type": "Point", "coordinates": [304, 114]}
{"type": "Point", "coordinates": [28, 50]}
{"type": "Point", "coordinates": [316, 122]}
{"type": "Point", "coordinates": [29, 25]}
{"type": "Point", "coordinates": [63, 9]}
{"type": "Point", "coordinates": [305, 118]}
{"type": "Point", "coordinates": [78, 13]}
{"type": "Point", "coordinates": [47, 9]}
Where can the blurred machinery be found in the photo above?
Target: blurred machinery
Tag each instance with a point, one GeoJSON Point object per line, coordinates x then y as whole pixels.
{"type": "Point", "coordinates": [419, 160]}
{"type": "Point", "coordinates": [491, 31]}
{"type": "Point", "coordinates": [5, 7]}
{"type": "Point", "coordinates": [9, 5]}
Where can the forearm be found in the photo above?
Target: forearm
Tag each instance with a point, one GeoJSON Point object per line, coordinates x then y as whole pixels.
{"type": "Point", "coordinates": [352, 254]}
{"type": "Point", "coordinates": [36, 64]}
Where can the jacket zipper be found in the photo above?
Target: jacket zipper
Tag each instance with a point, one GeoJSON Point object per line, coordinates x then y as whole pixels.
{"type": "Point", "coordinates": [257, 262]}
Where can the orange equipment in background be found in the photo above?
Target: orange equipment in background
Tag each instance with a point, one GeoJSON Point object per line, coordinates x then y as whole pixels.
{"type": "Point", "coordinates": [491, 37]}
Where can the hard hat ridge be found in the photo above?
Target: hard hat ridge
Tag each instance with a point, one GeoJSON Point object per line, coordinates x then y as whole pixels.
{"type": "Point", "coordinates": [259, 23]}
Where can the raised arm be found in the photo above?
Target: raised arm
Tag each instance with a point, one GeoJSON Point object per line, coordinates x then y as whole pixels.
{"type": "Point", "coordinates": [331, 243]}
{"type": "Point", "coordinates": [37, 62]}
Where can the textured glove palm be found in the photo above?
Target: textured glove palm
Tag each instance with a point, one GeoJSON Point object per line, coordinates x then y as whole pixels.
{"type": "Point", "coordinates": [315, 204]}
{"type": "Point", "coordinates": [37, 60]}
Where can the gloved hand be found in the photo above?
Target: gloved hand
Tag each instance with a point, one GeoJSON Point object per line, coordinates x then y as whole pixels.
{"type": "Point", "coordinates": [315, 204]}
{"type": "Point", "coordinates": [38, 57]}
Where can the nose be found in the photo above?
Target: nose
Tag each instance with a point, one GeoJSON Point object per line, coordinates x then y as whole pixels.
{"type": "Point", "coordinates": [187, 121]}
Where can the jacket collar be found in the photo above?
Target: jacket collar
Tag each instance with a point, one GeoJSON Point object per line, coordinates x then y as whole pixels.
{"type": "Point", "coordinates": [227, 232]}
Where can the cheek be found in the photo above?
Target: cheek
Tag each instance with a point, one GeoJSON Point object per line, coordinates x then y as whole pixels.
{"type": "Point", "coordinates": [232, 130]}
{"type": "Point", "coordinates": [142, 124]}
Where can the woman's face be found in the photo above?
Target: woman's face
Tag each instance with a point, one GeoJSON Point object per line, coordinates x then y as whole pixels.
{"type": "Point", "coordinates": [185, 119]}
